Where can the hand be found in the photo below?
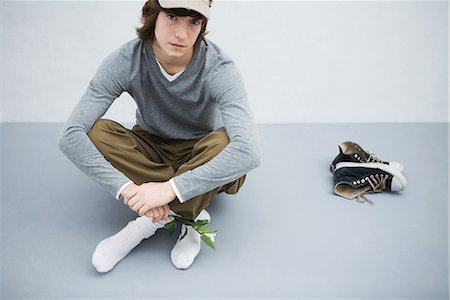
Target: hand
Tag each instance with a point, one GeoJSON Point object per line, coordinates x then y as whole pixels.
{"type": "Point", "coordinates": [149, 196]}
{"type": "Point", "coordinates": [158, 213]}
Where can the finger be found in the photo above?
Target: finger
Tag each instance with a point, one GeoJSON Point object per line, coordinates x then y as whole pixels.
{"type": "Point", "coordinates": [126, 198]}
{"type": "Point", "coordinates": [161, 213]}
{"type": "Point", "coordinates": [130, 194]}
{"type": "Point", "coordinates": [137, 206]}
{"type": "Point", "coordinates": [133, 200]}
{"type": "Point", "coordinates": [139, 211]}
{"type": "Point", "coordinates": [155, 215]}
{"type": "Point", "coordinates": [149, 213]}
{"type": "Point", "coordinates": [143, 210]}
{"type": "Point", "coordinates": [166, 209]}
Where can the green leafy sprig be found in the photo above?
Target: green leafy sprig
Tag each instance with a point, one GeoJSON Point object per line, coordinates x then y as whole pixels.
{"type": "Point", "coordinates": [201, 226]}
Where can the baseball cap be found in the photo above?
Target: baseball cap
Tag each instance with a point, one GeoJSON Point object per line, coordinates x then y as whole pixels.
{"type": "Point", "coordinates": [201, 6]}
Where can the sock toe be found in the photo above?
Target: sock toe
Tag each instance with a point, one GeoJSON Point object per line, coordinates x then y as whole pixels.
{"type": "Point", "coordinates": [185, 251]}
{"type": "Point", "coordinates": [181, 261]}
{"type": "Point", "coordinates": [101, 264]}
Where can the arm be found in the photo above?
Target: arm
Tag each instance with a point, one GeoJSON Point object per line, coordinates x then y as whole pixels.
{"type": "Point", "coordinates": [242, 154]}
{"type": "Point", "coordinates": [239, 157]}
{"type": "Point", "coordinates": [108, 83]}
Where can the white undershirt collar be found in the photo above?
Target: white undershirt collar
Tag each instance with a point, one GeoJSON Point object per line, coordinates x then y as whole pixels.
{"type": "Point", "coordinates": [167, 75]}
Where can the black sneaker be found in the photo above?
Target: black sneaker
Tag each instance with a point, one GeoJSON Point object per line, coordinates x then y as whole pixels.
{"type": "Point", "coordinates": [350, 152]}
{"type": "Point", "coordinates": [356, 182]}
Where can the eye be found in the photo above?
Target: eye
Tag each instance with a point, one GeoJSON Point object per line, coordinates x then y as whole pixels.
{"type": "Point", "coordinates": [172, 17]}
{"type": "Point", "coordinates": [196, 22]}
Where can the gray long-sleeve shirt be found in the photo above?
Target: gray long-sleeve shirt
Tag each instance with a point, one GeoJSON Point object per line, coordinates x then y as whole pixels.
{"type": "Point", "coordinates": [208, 95]}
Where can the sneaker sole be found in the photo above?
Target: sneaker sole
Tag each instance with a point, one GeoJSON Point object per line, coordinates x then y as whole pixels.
{"type": "Point", "coordinates": [387, 168]}
{"type": "Point", "coordinates": [395, 165]}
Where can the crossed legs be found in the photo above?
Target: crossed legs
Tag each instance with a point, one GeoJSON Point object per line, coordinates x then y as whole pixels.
{"type": "Point", "coordinates": [143, 157]}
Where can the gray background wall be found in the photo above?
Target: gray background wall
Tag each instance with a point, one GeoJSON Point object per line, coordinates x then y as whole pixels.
{"type": "Point", "coordinates": [332, 61]}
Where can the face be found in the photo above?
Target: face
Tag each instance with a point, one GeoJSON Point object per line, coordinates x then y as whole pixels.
{"type": "Point", "coordinates": [175, 36]}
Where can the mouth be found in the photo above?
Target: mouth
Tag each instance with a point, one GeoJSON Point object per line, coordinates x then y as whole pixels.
{"type": "Point", "coordinates": [177, 45]}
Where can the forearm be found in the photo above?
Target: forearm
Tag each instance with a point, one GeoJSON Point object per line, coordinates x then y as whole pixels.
{"type": "Point", "coordinates": [107, 84]}
{"type": "Point", "coordinates": [77, 147]}
{"type": "Point", "coordinates": [230, 164]}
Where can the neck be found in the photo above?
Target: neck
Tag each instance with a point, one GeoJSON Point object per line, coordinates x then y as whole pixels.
{"type": "Point", "coordinates": [172, 65]}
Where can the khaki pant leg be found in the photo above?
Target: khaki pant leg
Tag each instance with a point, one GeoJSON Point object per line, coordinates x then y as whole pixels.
{"type": "Point", "coordinates": [129, 153]}
{"type": "Point", "coordinates": [203, 151]}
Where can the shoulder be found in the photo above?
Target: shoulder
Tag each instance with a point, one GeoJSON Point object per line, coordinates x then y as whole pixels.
{"type": "Point", "coordinates": [123, 59]}
{"type": "Point", "coordinates": [213, 50]}
{"type": "Point", "coordinates": [119, 63]}
{"type": "Point", "coordinates": [127, 51]}
{"type": "Point", "coordinates": [224, 75]}
{"type": "Point", "coordinates": [218, 62]}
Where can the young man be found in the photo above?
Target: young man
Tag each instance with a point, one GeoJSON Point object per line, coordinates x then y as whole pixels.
{"type": "Point", "coordinates": [195, 135]}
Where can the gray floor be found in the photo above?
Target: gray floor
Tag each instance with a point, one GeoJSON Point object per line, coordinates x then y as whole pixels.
{"type": "Point", "coordinates": [285, 235]}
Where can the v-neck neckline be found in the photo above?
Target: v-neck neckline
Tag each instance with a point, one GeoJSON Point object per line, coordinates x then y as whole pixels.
{"type": "Point", "coordinates": [154, 64]}
{"type": "Point", "coordinates": [166, 75]}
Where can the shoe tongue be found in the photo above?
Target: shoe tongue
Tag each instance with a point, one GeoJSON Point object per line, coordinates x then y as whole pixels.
{"type": "Point", "coordinates": [363, 155]}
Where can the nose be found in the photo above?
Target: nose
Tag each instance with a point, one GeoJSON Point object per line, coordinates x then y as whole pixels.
{"type": "Point", "coordinates": [181, 31]}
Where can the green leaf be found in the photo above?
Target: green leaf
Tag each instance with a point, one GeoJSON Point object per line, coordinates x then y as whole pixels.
{"type": "Point", "coordinates": [201, 222]}
{"type": "Point", "coordinates": [184, 234]}
{"type": "Point", "coordinates": [184, 221]}
{"type": "Point", "coordinates": [170, 225]}
{"type": "Point", "coordinates": [203, 228]}
{"type": "Point", "coordinates": [208, 241]}
{"type": "Point", "coordinates": [209, 231]}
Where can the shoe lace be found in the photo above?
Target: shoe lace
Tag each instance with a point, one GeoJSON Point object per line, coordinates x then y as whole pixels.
{"type": "Point", "coordinates": [373, 158]}
{"type": "Point", "coordinates": [378, 185]}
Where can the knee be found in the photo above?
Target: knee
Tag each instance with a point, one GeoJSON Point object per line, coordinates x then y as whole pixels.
{"type": "Point", "coordinates": [99, 131]}
{"type": "Point", "coordinates": [214, 142]}
{"type": "Point", "coordinates": [219, 140]}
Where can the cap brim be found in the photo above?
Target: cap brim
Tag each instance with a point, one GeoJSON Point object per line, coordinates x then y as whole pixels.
{"type": "Point", "coordinates": [200, 6]}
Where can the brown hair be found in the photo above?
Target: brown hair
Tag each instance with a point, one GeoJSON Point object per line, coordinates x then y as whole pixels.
{"type": "Point", "coordinates": [150, 12]}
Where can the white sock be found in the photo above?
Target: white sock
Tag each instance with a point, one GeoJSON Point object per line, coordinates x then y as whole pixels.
{"type": "Point", "coordinates": [111, 250]}
{"type": "Point", "coordinates": [185, 251]}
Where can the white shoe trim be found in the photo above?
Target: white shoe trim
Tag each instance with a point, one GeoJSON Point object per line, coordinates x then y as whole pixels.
{"type": "Point", "coordinates": [396, 165]}
{"type": "Point", "coordinates": [387, 168]}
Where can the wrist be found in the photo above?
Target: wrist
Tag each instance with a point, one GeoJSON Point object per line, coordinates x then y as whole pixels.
{"type": "Point", "coordinates": [177, 192]}
{"type": "Point", "coordinates": [170, 193]}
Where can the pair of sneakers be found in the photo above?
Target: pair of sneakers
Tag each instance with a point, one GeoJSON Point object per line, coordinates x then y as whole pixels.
{"type": "Point", "coordinates": [358, 172]}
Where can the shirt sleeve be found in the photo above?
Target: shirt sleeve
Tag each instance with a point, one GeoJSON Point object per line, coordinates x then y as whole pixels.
{"type": "Point", "coordinates": [242, 154]}
{"type": "Point", "coordinates": [177, 192]}
{"type": "Point", "coordinates": [107, 84]}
